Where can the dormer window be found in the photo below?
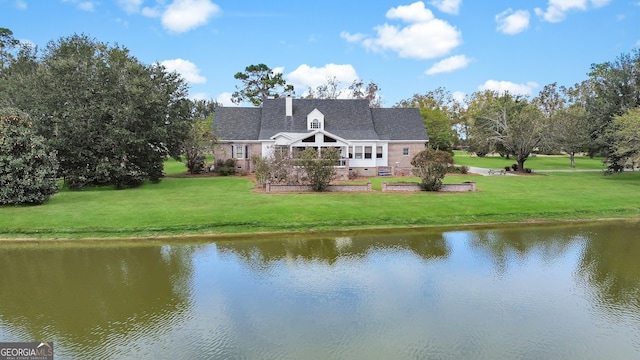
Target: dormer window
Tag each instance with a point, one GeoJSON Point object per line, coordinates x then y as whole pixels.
{"type": "Point", "coordinates": [315, 120]}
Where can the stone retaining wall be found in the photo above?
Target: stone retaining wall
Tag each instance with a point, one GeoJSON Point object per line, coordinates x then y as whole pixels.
{"type": "Point", "coordinates": [464, 187]}
{"type": "Point", "coordinates": [307, 188]}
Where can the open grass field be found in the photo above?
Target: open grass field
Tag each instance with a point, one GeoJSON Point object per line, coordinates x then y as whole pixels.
{"type": "Point", "coordinates": [232, 205]}
{"type": "Point", "coordinates": [536, 163]}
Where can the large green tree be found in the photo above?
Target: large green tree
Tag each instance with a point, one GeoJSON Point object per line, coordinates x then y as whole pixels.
{"type": "Point", "coordinates": [614, 88]}
{"type": "Point", "coordinates": [514, 124]}
{"type": "Point", "coordinates": [259, 82]}
{"type": "Point", "coordinates": [434, 108]}
{"type": "Point", "coordinates": [27, 167]}
{"type": "Point", "coordinates": [111, 119]}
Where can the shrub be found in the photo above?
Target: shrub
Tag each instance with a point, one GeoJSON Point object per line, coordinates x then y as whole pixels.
{"type": "Point", "coordinates": [27, 167]}
{"type": "Point", "coordinates": [507, 168]}
{"type": "Point", "coordinates": [431, 167]}
{"type": "Point", "coordinates": [464, 169]}
{"type": "Point", "coordinates": [261, 170]}
{"type": "Point", "coordinates": [230, 163]}
{"type": "Point", "coordinates": [514, 167]}
{"type": "Point", "coordinates": [319, 168]}
{"type": "Point", "coordinates": [226, 171]}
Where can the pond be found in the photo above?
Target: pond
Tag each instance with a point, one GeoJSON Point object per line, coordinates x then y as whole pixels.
{"type": "Point", "coordinates": [525, 292]}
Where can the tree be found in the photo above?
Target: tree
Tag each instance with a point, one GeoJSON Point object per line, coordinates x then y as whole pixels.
{"type": "Point", "coordinates": [319, 166]}
{"type": "Point", "coordinates": [259, 82]}
{"type": "Point", "coordinates": [434, 109]}
{"type": "Point", "coordinates": [329, 90]}
{"type": "Point", "coordinates": [627, 137]}
{"type": "Point", "coordinates": [369, 91]}
{"type": "Point", "coordinates": [514, 124]}
{"type": "Point", "coordinates": [198, 144]}
{"type": "Point", "coordinates": [570, 131]}
{"type": "Point", "coordinates": [27, 168]}
{"type": "Point", "coordinates": [431, 167]}
{"type": "Point", "coordinates": [7, 44]}
{"type": "Point", "coordinates": [111, 119]}
{"type": "Point", "coordinates": [614, 88]}
{"type": "Point", "coordinates": [200, 140]}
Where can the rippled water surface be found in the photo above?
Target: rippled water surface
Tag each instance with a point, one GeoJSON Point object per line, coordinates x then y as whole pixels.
{"type": "Point", "coordinates": [565, 292]}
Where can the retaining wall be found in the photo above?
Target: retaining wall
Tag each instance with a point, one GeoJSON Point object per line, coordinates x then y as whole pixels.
{"type": "Point", "coordinates": [307, 188]}
{"type": "Point", "coordinates": [464, 187]}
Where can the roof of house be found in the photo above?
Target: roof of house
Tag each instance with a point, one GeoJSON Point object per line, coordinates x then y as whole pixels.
{"type": "Point", "coordinates": [350, 119]}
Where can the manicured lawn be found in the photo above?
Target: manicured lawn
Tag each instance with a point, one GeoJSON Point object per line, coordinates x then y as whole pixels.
{"type": "Point", "coordinates": [228, 205]}
{"type": "Point", "coordinates": [537, 163]}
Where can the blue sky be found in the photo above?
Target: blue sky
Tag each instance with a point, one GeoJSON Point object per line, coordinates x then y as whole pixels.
{"type": "Point", "coordinates": [406, 47]}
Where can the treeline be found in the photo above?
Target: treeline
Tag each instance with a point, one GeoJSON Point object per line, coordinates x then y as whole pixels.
{"type": "Point", "coordinates": [98, 115]}
{"type": "Point", "coordinates": [599, 116]}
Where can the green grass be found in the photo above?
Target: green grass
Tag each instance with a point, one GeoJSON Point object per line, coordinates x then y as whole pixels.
{"type": "Point", "coordinates": [231, 205]}
{"type": "Point", "coordinates": [537, 163]}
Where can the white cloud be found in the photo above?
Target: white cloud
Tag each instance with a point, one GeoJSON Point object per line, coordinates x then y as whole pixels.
{"type": "Point", "coordinates": [507, 86]}
{"type": "Point", "coordinates": [83, 5]}
{"type": "Point", "coordinates": [449, 64]}
{"type": "Point", "coordinates": [188, 70]}
{"type": "Point", "coordinates": [424, 38]}
{"type": "Point", "coordinates": [150, 12]}
{"type": "Point", "coordinates": [512, 22]}
{"type": "Point", "coordinates": [351, 37]}
{"type": "Point", "coordinates": [184, 15]}
{"type": "Point", "coordinates": [557, 9]}
{"type": "Point", "coordinates": [447, 6]}
{"type": "Point", "coordinates": [130, 6]}
{"type": "Point", "coordinates": [459, 96]}
{"type": "Point", "coordinates": [305, 76]}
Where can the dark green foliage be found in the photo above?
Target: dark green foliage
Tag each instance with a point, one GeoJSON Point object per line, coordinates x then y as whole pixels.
{"type": "Point", "coordinates": [319, 167]}
{"type": "Point", "coordinates": [227, 167]}
{"type": "Point", "coordinates": [110, 119]}
{"type": "Point", "coordinates": [27, 168]}
{"type": "Point", "coordinates": [431, 167]}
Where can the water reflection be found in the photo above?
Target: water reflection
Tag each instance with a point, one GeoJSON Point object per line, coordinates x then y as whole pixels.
{"type": "Point", "coordinates": [528, 292]}
{"type": "Point", "coordinates": [261, 255]}
{"type": "Point", "coordinates": [83, 298]}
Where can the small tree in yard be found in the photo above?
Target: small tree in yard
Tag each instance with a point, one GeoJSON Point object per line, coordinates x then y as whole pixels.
{"type": "Point", "coordinates": [319, 167]}
{"type": "Point", "coordinates": [27, 168]}
{"type": "Point", "coordinates": [431, 167]}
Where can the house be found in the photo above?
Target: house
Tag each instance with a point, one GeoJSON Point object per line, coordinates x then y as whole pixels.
{"type": "Point", "coordinates": [371, 141]}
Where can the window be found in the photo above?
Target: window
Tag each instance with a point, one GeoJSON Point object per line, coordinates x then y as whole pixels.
{"type": "Point", "coordinates": [379, 152]}
{"type": "Point", "coordinates": [240, 151]}
{"type": "Point", "coordinates": [358, 152]}
{"type": "Point", "coordinates": [367, 152]}
{"type": "Point", "coordinates": [310, 139]}
{"type": "Point", "coordinates": [329, 139]}
{"type": "Point", "coordinates": [405, 151]}
{"type": "Point", "coordinates": [315, 124]}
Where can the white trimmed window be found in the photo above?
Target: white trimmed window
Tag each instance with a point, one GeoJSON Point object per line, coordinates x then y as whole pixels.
{"type": "Point", "coordinates": [315, 124]}
{"type": "Point", "coordinates": [240, 152]}
{"type": "Point", "coordinates": [405, 151]}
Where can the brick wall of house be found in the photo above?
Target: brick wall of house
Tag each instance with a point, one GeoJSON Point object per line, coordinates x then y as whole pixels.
{"type": "Point", "coordinates": [403, 166]}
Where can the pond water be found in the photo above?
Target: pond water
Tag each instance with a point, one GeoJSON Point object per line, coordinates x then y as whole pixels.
{"type": "Point", "coordinates": [527, 292]}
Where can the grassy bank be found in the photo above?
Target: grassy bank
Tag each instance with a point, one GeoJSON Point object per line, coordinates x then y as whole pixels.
{"type": "Point", "coordinates": [229, 205]}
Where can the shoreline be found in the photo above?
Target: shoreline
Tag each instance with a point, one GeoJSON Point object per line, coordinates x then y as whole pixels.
{"type": "Point", "coordinates": [265, 235]}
